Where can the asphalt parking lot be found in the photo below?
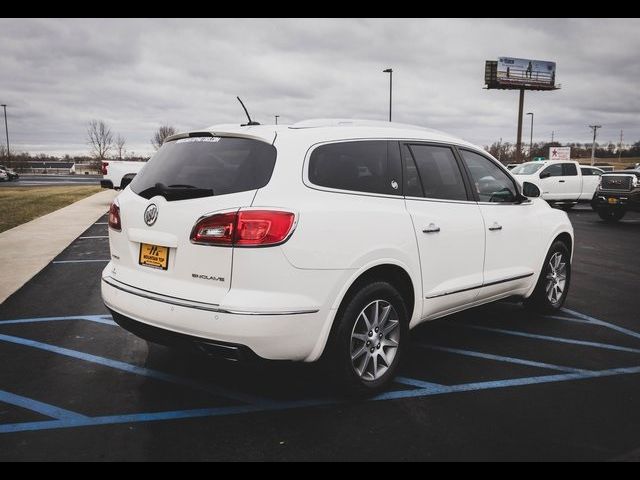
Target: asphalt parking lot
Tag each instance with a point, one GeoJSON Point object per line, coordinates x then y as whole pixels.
{"type": "Point", "coordinates": [34, 180]}
{"type": "Point", "coordinates": [492, 383]}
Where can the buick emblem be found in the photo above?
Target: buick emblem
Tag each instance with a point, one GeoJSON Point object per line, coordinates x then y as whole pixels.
{"type": "Point", "coordinates": [151, 214]}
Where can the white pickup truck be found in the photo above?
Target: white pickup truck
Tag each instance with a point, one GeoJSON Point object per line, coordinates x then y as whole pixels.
{"type": "Point", "coordinates": [117, 174]}
{"type": "Point", "coordinates": [562, 183]}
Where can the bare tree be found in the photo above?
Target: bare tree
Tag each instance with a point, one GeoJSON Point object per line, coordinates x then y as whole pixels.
{"type": "Point", "coordinates": [120, 142]}
{"type": "Point", "coordinates": [161, 134]}
{"type": "Point", "coordinates": [100, 138]}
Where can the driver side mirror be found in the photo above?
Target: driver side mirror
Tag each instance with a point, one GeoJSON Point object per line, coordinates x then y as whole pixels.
{"type": "Point", "coordinates": [530, 190]}
{"type": "Point", "coordinates": [545, 174]}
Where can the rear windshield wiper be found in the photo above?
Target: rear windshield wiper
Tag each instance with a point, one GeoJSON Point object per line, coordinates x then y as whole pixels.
{"type": "Point", "coordinates": [176, 192]}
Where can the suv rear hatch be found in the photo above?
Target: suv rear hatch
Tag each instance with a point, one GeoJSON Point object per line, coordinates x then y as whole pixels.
{"type": "Point", "coordinates": [185, 180]}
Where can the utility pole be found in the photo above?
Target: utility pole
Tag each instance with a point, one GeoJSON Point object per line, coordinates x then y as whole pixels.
{"type": "Point", "coordinates": [593, 145]}
{"type": "Point", "coordinates": [500, 149]}
{"type": "Point", "coordinates": [277, 119]}
{"type": "Point", "coordinates": [6, 130]}
{"type": "Point", "coordinates": [620, 147]}
{"type": "Point", "coordinates": [519, 138]}
{"type": "Point", "coordinates": [552, 132]}
{"type": "Point", "coordinates": [390, 72]}
{"type": "Point", "coordinates": [531, 138]}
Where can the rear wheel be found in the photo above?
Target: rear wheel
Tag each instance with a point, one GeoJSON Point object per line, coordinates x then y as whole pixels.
{"type": "Point", "coordinates": [611, 214]}
{"type": "Point", "coordinates": [371, 333]}
{"type": "Point", "coordinates": [553, 285]}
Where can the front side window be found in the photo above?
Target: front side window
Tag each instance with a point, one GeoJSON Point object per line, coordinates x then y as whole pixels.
{"type": "Point", "coordinates": [526, 168]}
{"type": "Point", "coordinates": [371, 166]}
{"type": "Point", "coordinates": [491, 183]}
{"type": "Point", "coordinates": [554, 170]}
{"type": "Point", "coordinates": [587, 172]}
{"type": "Point", "coordinates": [438, 173]}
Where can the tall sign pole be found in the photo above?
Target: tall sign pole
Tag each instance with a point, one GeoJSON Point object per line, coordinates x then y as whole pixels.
{"type": "Point", "coordinates": [519, 138]}
{"type": "Point", "coordinates": [6, 130]}
{"type": "Point", "coordinates": [593, 145]}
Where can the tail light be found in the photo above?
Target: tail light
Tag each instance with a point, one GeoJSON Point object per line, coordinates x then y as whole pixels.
{"type": "Point", "coordinates": [114, 217]}
{"type": "Point", "coordinates": [244, 228]}
{"type": "Point", "coordinates": [104, 167]}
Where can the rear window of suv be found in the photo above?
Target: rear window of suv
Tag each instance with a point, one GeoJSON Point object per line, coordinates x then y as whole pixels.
{"type": "Point", "coordinates": [205, 166]}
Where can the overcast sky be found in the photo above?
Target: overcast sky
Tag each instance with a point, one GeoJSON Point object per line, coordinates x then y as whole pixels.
{"type": "Point", "coordinates": [56, 75]}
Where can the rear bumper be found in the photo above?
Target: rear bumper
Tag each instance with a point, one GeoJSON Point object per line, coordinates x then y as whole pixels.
{"type": "Point", "coordinates": [227, 351]}
{"type": "Point", "coordinates": [106, 183]}
{"type": "Point", "coordinates": [167, 320]}
{"type": "Point", "coordinates": [624, 200]}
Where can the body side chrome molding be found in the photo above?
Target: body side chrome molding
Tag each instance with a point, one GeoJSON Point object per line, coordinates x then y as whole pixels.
{"type": "Point", "coordinates": [497, 282]}
{"type": "Point", "coordinates": [210, 307]}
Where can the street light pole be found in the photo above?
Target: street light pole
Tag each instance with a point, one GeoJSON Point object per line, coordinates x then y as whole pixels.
{"type": "Point", "coordinates": [593, 145]}
{"type": "Point", "coordinates": [6, 130]}
{"type": "Point", "coordinates": [531, 138]}
{"type": "Point", "coordinates": [390, 72]}
{"type": "Point", "coordinates": [277, 119]}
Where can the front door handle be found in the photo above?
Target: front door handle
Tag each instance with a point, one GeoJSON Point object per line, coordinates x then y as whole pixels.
{"type": "Point", "coordinates": [432, 228]}
{"type": "Point", "coordinates": [495, 227]}
{"type": "Point", "coordinates": [560, 181]}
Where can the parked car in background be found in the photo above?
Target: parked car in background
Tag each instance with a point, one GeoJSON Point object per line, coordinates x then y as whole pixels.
{"type": "Point", "coordinates": [617, 193]}
{"type": "Point", "coordinates": [562, 183]}
{"type": "Point", "coordinates": [605, 167]}
{"type": "Point", "coordinates": [325, 239]}
{"type": "Point", "coordinates": [4, 177]}
{"type": "Point", "coordinates": [11, 174]}
{"type": "Point", "coordinates": [117, 174]}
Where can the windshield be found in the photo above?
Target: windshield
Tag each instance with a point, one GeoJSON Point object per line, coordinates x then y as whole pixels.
{"type": "Point", "coordinates": [527, 168]}
{"type": "Point", "coordinates": [205, 166]}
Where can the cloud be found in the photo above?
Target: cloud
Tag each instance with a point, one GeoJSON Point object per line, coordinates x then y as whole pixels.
{"type": "Point", "coordinates": [137, 74]}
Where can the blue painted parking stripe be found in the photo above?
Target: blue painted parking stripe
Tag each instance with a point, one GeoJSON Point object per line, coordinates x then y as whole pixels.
{"type": "Point", "coordinates": [568, 319]}
{"type": "Point", "coordinates": [515, 382]}
{"type": "Point", "coordinates": [82, 261]}
{"type": "Point", "coordinates": [38, 407]}
{"type": "Point", "coordinates": [612, 326]}
{"type": "Point", "coordinates": [127, 367]}
{"type": "Point", "coordinates": [572, 341]}
{"type": "Point", "coordinates": [421, 384]}
{"type": "Point", "coordinates": [104, 319]}
{"type": "Point", "coordinates": [501, 358]}
{"type": "Point", "coordinates": [427, 390]}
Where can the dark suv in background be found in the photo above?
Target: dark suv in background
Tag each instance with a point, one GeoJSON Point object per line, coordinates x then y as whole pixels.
{"type": "Point", "coordinates": [617, 193]}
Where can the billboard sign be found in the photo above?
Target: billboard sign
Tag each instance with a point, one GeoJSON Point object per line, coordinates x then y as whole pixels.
{"type": "Point", "coordinates": [524, 73]}
{"type": "Point", "coordinates": [559, 153]}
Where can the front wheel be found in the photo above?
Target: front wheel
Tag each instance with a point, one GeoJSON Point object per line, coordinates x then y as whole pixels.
{"type": "Point", "coordinates": [371, 333]}
{"type": "Point", "coordinates": [553, 285]}
{"type": "Point", "coordinates": [611, 214]}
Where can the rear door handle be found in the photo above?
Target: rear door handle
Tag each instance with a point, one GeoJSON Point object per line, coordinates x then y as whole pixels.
{"type": "Point", "coordinates": [560, 181]}
{"type": "Point", "coordinates": [495, 227]}
{"type": "Point", "coordinates": [432, 228]}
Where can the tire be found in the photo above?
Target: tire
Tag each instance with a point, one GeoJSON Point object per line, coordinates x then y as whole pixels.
{"type": "Point", "coordinates": [368, 373]}
{"type": "Point", "coordinates": [611, 215]}
{"type": "Point", "coordinates": [546, 300]}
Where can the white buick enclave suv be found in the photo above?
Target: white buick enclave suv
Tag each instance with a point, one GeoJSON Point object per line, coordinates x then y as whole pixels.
{"type": "Point", "coordinates": [325, 239]}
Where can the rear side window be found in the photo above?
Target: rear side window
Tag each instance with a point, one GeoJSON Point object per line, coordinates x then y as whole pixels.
{"type": "Point", "coordinates": [206, 166]}
{"type": "Point", "coordinates": [569, 169]}
{"type": "Point", "coordinates": [438, 173]}
{"type": "Point", "coordinates": [364, 166]}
